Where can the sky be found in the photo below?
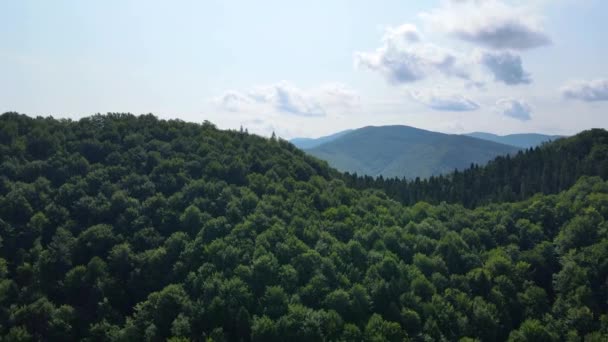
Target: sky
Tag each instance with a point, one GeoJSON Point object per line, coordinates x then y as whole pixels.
{"type": "Point", "coordinates": [312, 68]}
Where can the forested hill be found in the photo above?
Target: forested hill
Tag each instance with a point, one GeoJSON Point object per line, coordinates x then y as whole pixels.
{"type": "Point", "coordinates": [124, 228]}
{"type": "Point", "coordinates": [403, 151]}
{"type": "Point", "coordinates": [548, 169]}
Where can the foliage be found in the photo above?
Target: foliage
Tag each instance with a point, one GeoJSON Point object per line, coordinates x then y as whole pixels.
{"type": "Point", "coordinates": [124, 228]}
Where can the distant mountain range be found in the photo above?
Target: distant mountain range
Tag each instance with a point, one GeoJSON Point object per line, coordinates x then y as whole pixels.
{"type": "Point", "coordinates": [523, 140]}
{"type": "Point", "coordinates": [402, 151]}
{"type": "Point", "coordinates": [306, 143]}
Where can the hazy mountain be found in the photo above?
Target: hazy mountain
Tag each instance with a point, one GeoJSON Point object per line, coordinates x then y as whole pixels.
{"type": "Point", "coordinates": [402, 151]}
{"type": "Point", "coordinates": [551, 168]}
{"type": "Point", "coordinates": [306, 143]}
{"type": "Point", "coordinates": [523, 140]}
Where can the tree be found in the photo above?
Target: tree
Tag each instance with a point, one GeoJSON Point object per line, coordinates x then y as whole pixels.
{"type": "Point", "coordinates": [378, 329]}
{"type": "Point", "coordinates": [192, 220]}
{"type": "Point", "coordinates": [580, 232]}
{"type": "Point", "coordinates": [338, 300]}
{"type": "Point", "coordinates": [275, 302]}
{"type": "Point", "coordinates": [161, 310]}
{"type": "Point", "coordinates": [264, 329]}
{"type": "Point", "coordinates": [532, 330]}
{"type": "Point", "coordinates": [411, 321]}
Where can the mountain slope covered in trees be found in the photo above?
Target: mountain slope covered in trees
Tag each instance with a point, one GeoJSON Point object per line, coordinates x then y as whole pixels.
{"type": "Point", "coordinates": [522, 140]}
{"type": "Point", "coordinates": [124, 228]}
{"type": "Point", "coordinates": [548, 169]}
{"type": "Point", "coordinates": [402, 151]}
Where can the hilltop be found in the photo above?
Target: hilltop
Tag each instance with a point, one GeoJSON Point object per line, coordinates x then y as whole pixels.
{"type": "Point", "coordinates": [403, 151]}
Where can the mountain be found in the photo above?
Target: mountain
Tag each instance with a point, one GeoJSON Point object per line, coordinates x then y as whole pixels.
{"type": "Point", "coordinates": [523, 140]}
{"type": "Point", "coordinates": [549, 169]}
{"type": "Point", "coordinates": [403, 151]}
{"type": "Point", "coordinates": [130, 228]}
{"type": "Point", "coordinates": [307, 143]}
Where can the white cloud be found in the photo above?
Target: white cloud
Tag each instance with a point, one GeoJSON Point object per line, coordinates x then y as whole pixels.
{"type": "Point", "coordinates": [337, 95]}
{"type": "Point", "coordinates": [405, 33]}
{"type": "Point", "coordinates": [444, 102]}
{"type": "Point", "coordinates": [285, 98]}
{"type": "Point", "coordinates": [233, 101]}
{"type": "Point", "coordinates": [396, 66]}
{"type": "Point", "coordinates": [505, 66]}
{"type": "Point", "coordinates": [516, 109]}
{"type": "Point", "coordinates": [404, 58]}
{"type": "Point", "coordinates": [589, 91]}
{"type": "Point", "coordinates": [490, 23]}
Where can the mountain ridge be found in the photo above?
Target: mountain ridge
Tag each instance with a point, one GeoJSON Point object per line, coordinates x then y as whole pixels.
{"type": "Point", "coordinates": [306, 143]}
{"type": "Point", "coordinates": [523, 140]}
{"type": "Point", "coordinates": [405, 151]}
{"type": "Point", "coordinates": [549, 168]}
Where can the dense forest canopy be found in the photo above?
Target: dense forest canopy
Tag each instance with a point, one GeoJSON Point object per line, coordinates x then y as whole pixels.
{"type": "Point", "coordinates": [125, 228]}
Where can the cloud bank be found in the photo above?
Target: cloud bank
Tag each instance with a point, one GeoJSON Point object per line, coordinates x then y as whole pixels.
{"type": "Point", "coordinates": [283, 97]}
{"type": "Point", "coordinates": [405, 58]}
{"type": "Point", "coordinates": [444, 102]}
{"type": "Point", "coordinates": [491, 24]}
{"type": "Point", "coordinates": [588, 91]}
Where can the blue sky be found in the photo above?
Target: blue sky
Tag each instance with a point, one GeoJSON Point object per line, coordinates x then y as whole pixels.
{"type": "Point", "coordinates": [311, 68]}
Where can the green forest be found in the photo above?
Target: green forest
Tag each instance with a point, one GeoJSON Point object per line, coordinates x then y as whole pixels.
{"type": "Point", "coordinates": [548, 169]}
{"type": "Point", "coordinates": [131, 228]}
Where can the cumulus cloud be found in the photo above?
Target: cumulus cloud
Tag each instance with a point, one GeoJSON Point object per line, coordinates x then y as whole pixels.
{"type": "Point", "coordinates": [396, 66]}
{"type": "Point", "coordinates": [589, 91]}
{"type": "Point", "coordinates": [405, 33]}
{"type": "Point", "coordinates": [404, 57]}
{"type": "Point", "coordinates": [490, 23]}
{"type": "Point", "coordinates": [337, 95]}
{"type": "Point", "coordinates": [284, 97]}
{"type": "Point", "coordinates": [506, 67]}
{"type": "Point", "coordinates": [233, 101]}
{"type": "Point", "coordinates": [444, 102]}
{"type": "Point", "coordinates": [516, 109]}
{"type": "Point", "coordinates": [287, 99]}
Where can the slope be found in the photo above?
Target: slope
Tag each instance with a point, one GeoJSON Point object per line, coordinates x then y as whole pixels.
{"type": "Point", "coordinates": [551, 168]}
{"type": "Point", "coordinates": [522, 140]}
{"type": "Point", "coordinates": [124, 228]}
{"type": "Point", "coordinates": [402, 151]}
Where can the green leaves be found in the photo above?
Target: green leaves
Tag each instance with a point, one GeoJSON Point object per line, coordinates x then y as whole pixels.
{"type": "Point", "coordinates": [134, 228]}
